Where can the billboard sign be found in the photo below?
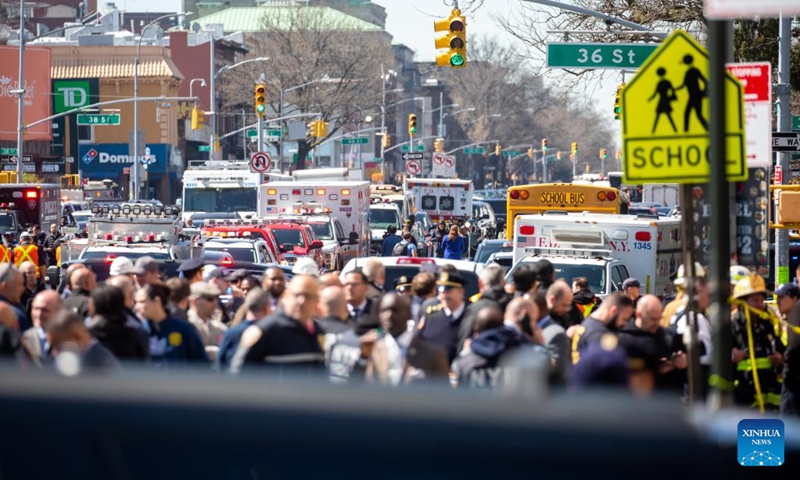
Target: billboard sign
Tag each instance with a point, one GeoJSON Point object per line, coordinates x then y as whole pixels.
{"type": "Point", "coordinates": [36, 99]}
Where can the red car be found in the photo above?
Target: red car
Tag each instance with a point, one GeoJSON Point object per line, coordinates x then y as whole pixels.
{"type": "Point", "coordinates": [298, 240]}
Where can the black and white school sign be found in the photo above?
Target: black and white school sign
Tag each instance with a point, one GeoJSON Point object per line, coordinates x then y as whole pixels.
{"type": "Point", "coordinates": [665, 118]}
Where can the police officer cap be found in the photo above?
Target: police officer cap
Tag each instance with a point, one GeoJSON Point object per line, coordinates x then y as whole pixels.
{"type": "Point", "coordinates": [451, 279]}
{"type": "Point", "coordinates": [631, 283]}
{"type": "Point", "coordinates": [191, 265]}
{"type": "Point", "coordinates": [789, 289]}
{"type": "Point", "coordinates": [203, 289]}
{"type": "Point", "coordinates": [402, 282]}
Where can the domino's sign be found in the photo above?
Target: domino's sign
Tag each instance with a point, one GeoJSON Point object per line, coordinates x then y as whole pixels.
{"type": "Point", "coordinates": [112, 158]}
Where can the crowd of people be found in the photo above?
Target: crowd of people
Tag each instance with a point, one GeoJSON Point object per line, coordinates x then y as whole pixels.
{"type": "Point", "coordinates": [455, 242]}
{"type": "Point", "coordinates": [536, 329]}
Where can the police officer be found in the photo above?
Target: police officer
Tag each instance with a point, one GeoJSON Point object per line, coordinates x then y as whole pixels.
{"type": "Point", "coordinates": [402, 285]}
{"type": "Point", "coordinates": [289, 338]}
{"type": "Point", "coordinates": [751, 323]}
{"type": "Point", "coordinates": [440, 323]}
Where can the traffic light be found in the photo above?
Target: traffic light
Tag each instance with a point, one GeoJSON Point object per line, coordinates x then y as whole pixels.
{"type": "Point", "coordinates": [451, 40]}
{"type": "Point", "coordinates": [574, 148]}
{"type": "Point", "coordinates": [385, 140]}
{"type": "Point", "coordinates": [197, 118]}
{"type": "Point", "coordinates": [618, 102]}
{"type": "Point", "coordinates": [544, 145]}
{"type": "Point", "coordinates": [260, 102]}
{"type": "Point", "coordinates": [318, 129]}
{"type": "Point", "coordinates": [438, 145]}
{"type": "Point", "coordinates": [497, 150]}
{"type": "Point", "coordinates": [412, 124]}
{"type": "Point", "coordinates": [530, 153]}
{"type": "Point", "coordinates": [603, 153]}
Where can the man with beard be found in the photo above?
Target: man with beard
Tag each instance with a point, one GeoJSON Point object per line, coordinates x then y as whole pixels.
{"type": "Point", "coordinates": [612, 315]}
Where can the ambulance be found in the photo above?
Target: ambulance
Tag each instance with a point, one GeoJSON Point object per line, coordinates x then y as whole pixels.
{"type": "Point", "coordinates": [219, 186]}
{"type": "Point", "coordinates": [605, 248]}
{"type": "Point", "coordinates": [443, 199]}
{"type": "Point", "coordinates": [338, 211]}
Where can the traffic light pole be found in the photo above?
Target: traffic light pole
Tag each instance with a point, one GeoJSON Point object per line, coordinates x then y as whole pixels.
{"type": "Point", "coordinates": [260, 133]}
{"type": "Point", "coordinates": [544, 166]}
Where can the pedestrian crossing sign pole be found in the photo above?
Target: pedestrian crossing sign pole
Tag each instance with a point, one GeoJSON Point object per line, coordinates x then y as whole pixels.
{"type": "Point", "coordinates": [665, 112]}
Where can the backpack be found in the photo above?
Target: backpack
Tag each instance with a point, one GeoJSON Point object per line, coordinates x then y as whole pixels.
{"type": "Point", "coordinates": [400, 249]}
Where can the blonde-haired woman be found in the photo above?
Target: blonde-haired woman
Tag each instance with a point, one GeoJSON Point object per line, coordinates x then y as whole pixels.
{"type": "Point", "coordinates": [453, 244]}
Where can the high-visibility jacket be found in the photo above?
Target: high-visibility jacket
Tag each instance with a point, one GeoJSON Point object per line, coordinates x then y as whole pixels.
{"type": "Point", "coordinates": [58, 256]}
{"type": "Point", "coordinates": [29, 253]}
{"type": "Point", "coordinates": [5, 254]}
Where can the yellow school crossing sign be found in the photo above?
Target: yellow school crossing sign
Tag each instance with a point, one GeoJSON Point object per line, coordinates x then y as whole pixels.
{"type": "Point", "coordinates": [665, 118]}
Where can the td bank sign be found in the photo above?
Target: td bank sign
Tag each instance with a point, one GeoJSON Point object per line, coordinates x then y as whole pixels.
{"type": "Point", "coordinates": [71, 94]}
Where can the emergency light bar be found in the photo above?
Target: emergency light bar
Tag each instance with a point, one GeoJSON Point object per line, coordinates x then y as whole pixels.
{"type": "Point", "coordinates": [308, 208]}
{"type": "Point", "coordinates": [135, 210]}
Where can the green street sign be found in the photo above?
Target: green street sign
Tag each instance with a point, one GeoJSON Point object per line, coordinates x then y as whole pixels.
{"type": "Point", "coordinates": [8, 151]}
{"type": "Point", "coordinates": [598, 55]}
{"type": "Point", "coordinates": [355, 141]}
{"type": "Point", "coordinates": [252, 133]}
{"type": "Point", "coordinates": [98, 119]}
{"type": "Point", "coordinates": [70, 94]}
{"type": "Point", "coordinates": [476, 151]}
{"type": "Point", "coordinates": [420, 147]}
{"type": "Point", "coordinates": [274, 133]}
{"type": "Point", "coordinates": [204, 148]}
{"type": "Point", "coordinates": [795, 123]}
{"type": "Point", "coordinates": [511, 153]}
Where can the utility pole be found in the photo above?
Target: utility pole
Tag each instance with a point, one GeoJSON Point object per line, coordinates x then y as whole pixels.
{"type": "Point", "coordinates": [783, 90]}
{"type": "Point", "coordinates": [384, 166]}
{"type": "Point", "coordinates": [213, 91]}
{"type": "Point", "coordinates": [21, 91]}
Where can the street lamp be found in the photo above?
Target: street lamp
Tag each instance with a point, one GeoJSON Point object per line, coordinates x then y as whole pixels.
{"type": "Point", "coordinates": [135, 179]}
{"type": "Point", "coordinates": [213, 112]}
{"type": "Point", "coordinates": [441, 118]}
{"type": "Point", "coordinates": [191, 84]}
{"type": "Point", "coordinates": [324, 79]}
{"type": "Point", "coordinates": [442, 115]}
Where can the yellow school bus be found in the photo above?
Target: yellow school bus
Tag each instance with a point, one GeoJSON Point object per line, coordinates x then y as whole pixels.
{"type": "Point", "coordinates": [570, 197]}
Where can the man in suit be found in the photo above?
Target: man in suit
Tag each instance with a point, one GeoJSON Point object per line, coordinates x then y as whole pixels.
{"type": "Point", "coordinates": [44, 307]}
{"type": "Point", "coordinates": [363, 309]}
{"type": "Point", "coordinates": [440, 323]}
{"type": "Point", "coordinates": [67, 334]}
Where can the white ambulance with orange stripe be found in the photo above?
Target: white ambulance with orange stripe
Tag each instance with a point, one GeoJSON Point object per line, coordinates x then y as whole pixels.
{"type": "Point", "coordinates": [649, 247]}
{"type": "Point", "coordinates": [338, 211]}
{"type": "Point", "coordinates": [443, 199]}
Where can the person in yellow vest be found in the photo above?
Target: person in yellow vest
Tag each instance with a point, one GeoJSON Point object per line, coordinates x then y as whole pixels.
{"type": "Point", "coordinates": [5, 253]}
{"type": "Point", "coordinates": [29, 251]}
{"type": "Point", "coordinates": [757, 349]}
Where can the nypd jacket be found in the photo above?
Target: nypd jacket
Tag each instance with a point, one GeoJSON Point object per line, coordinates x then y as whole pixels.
{"type": "Point", "coordinates": [174, 340]}
{"type": "Point", "coordinates": [280, 341]}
